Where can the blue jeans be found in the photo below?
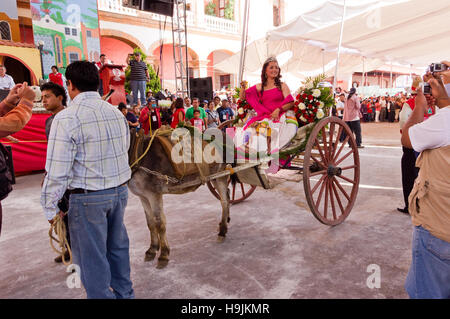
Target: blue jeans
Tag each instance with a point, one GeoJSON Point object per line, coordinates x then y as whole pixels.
{"type": "Point", "coordinates": [429, 274]}
{"type": "Point", "coordinates": [138, 86]}
{"type": "Point", "coordinates": [100, 243]}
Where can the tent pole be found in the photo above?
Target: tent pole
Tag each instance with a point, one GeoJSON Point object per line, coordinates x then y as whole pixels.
{"type": "Point", "coordinates": [244, 40]}
{"type": "Point", "coordinates": [339, 48]}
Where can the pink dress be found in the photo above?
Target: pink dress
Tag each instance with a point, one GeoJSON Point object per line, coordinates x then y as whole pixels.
{"type": "Point", "coordinates": [251, 140]}
{"type": "Point", "coordinates": [264, 104]}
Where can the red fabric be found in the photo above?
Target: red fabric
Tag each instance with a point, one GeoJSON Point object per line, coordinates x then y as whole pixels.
{"type": "Point", "coordinates": [56, 78]}
{"type": "Point", "coordinates": [145, 120]}
{"type": "Point", "coordinates": [175, 118]}
{"type": "Point", "coordinates": [30, 153]}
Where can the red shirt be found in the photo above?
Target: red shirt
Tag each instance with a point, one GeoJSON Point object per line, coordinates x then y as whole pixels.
{"type": "Point", "coordinates": [56, 78]}
{"type": "Point", "coordinates": [145, 119]}
{"type": "Point", "coordinates": [175, 117]}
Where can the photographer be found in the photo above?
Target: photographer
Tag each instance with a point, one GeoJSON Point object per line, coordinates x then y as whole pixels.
{"type": "Point", "coordinates": [429, 201]}
{"type": "Point", "coordinates": [15, 112]}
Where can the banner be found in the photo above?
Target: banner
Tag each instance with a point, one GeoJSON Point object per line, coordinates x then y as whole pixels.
{"type": "Point", "coordinates": [68, 29]}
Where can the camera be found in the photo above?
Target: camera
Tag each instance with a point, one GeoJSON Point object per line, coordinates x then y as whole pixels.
{"type": "Point", "coordinates": [437, 67]}
{"type": "Point", "coordinates": [427, 89]}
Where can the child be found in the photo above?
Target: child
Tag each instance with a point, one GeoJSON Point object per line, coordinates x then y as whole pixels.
{"type": "Point", "coordinates": [197, 122]}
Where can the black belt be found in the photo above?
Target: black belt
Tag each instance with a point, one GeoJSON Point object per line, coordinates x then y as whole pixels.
{"type": "Point", "coordinates": [87, 191]}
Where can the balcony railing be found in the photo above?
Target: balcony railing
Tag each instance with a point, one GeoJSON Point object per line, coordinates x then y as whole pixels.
{"type": "Point", "coordinates": [208, 23]}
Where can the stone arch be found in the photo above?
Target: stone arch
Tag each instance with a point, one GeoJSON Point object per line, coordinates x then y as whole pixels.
{"type": "Point", "coordinates": [19, 75]}
{"type": "Point", "coordinates": [124, 37]}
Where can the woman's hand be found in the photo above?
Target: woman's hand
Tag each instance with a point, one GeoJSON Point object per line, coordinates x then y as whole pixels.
{"type": "Point", "coordinates": [275, 116]}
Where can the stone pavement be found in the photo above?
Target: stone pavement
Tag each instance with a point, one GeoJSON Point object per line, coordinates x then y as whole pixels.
{"type": "Point", "coordinates": [274, 248]}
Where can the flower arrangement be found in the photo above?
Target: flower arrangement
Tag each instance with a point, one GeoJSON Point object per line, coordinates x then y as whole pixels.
{"type": "Point", "coordinates": [313, 101]}
{"type": "Point", "coordinates": [243, 107]}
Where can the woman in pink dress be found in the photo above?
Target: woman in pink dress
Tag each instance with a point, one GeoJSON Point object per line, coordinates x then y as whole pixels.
{"type": "Point", "coordinates": [275, 123]}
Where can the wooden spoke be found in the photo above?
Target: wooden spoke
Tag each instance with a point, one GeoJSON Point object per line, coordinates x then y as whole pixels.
{"type": "Point", "coordinates": [341, 189]}
{"type": "Point", "coordinates": [330, 143]}
{"type": "Point", "coordinates": [342, 147]}
{"type": "Point", "coordinates": [333, 208]}
{"type": "Point", "coordinates": [234, 192]}
{"type": "Point", "coordinates": [325, 144]}
{"type": "Point", "coordinates": [346, 179]}
{"type": "Point", "coordinates": [320, 195]}
{"type": "Point", "coordinates": [344, 157]}
{"type": "Point", "coordinates": [242, 188]}
{"type": "Point", "coordinates": [320, 151]}
{"type": "Point", "coordinates": [325, 209]}
{"type": "Point", "coordinates": [338, 137]}
{"type": "Point", "coordinates": [317, 161]}
{"type": "Point", "coordinates": [337, 196]}
{"type": "Point", "coordinates": [318, 173]}
{"type": "Point", "coordinates": [349, 167]}
{"type": "Point", "coordinates": [317, 185]}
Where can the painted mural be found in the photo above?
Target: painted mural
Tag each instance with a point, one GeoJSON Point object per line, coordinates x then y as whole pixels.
{"type": "Point", "coordinates": [68, 29]}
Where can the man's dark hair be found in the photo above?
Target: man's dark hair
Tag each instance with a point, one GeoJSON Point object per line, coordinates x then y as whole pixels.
{"type": "Point", "coordinates": [196, 111]}
{"type": "Point", "coordinates": [102, 55]}
{"type": "Point", "coordinates": [54, 66]}
{"type": "Point", "coordinates": [195, 98]}
{"type": "Point", "coordinates": [56, 89]}
{"type": "Point", "coordinates": [83, 75]}
{"type": "Point", "coordinates": [122, 106]}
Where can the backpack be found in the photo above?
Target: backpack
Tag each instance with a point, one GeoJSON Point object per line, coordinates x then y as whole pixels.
{"type": "Point", "coordinates": [6, 179]}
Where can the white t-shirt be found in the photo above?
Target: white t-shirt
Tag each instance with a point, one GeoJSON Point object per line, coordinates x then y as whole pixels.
{"type": "Point", "coordinates": [432, 133]}
{"type": "Point", "coordinates": [6, 82]}
{"type": "Point", "coordinates": [340, 108]}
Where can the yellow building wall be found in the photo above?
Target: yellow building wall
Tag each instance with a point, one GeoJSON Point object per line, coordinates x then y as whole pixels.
{"type": "Point", "coordinates": [14, 24]}
{"type": "Point", "coordinates": [28, 56]}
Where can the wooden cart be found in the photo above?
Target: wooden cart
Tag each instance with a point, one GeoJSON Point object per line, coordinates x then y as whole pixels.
{"type": "Point", "coordinates": [324, 156]}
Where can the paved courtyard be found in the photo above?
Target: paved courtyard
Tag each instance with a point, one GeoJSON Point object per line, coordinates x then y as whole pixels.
{"type": "Point", "coordinates": [274, 248]}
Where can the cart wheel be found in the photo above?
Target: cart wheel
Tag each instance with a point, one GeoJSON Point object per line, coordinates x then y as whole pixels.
{"type": "Point", "coordinates": [331, 171]}
{"type": "Point", "coordinates": [239, 190]}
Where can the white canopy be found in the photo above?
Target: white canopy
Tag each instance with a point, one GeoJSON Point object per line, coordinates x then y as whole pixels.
{"type": "Point", "coordinates": [410, 32]}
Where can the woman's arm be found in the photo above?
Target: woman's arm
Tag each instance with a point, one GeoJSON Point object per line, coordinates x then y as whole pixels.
{"type": "Point", "coordinates": [288, 99]}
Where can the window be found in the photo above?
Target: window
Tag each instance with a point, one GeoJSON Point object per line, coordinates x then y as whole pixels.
{"type": "Point", "coordinates": [5, 30]}
{"type": "Point", "coordinates": [67, 31]}
{"type": "Point", "coordinates": [73, 57]}
{"type": "Point", "coordinates": [89, 33]}
{"type": "Point", "coordinates": [225, 81]}
{"type": "Point", "coordinates": [221, 8]}
{"type": "Point", "coordinates": [74, 32]}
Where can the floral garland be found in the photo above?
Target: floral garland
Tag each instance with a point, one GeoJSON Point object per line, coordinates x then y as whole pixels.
{"type": "Point", "coordinates": [313, 101]}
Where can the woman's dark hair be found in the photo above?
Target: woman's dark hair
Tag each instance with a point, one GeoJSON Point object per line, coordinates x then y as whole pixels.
{"type": "Point", "coordinates": [56, 89]}
{"type": "Point", "coordinates": [83, 75]}
{"type": "Point", "coordinates": [179, 103]}
{"type": "Point", "coordinates": [264, 77]}
{"type": "Point", "coordinates": [54, 66]}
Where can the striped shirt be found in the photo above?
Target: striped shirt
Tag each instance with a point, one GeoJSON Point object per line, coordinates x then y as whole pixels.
{"type": "Point", "coordinates": [138, 70]}
{"type": "Point", "coordinates": [87, 148]}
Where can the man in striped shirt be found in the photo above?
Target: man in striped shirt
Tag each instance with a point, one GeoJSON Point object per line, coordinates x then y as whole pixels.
{"type": "Point", "coordinates": [138, 77]}
{"type": "Point", "coordinates": [87, 153]}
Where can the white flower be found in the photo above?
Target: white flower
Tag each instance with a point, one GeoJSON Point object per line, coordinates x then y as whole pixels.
{"type": "Point", "coordinates": [309, 85]}
{"type": "Point", "coordinates": [240, 122]}
{"type": "Point", "coordinates": [302, 106]}
{"type": "Point", "coordinates": [241, 111]}
{"type": "Point", "coordinates": [316, 93]}
{"type": "Point", "coordinates": [320, 114]}
{"type": "Point", "coordinates": [321, 105]}
{"type": "Point", "coordinates": [302, 119]}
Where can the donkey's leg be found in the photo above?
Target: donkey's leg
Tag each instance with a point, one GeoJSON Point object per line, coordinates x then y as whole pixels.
{"type": "Point", "coordinates": [156, 202]}
{"type": "Point", "coordinates": [221, 186]}
{"type": "Point", "coordinates": [150, 254]}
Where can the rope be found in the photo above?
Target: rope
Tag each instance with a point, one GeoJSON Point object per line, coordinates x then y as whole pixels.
{"type": "Point", "coordinates": [58, 227]}
{"type": "Point", "coordinates": [146, 151]}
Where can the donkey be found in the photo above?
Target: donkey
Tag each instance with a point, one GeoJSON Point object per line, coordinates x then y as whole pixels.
{"type": "Point", "coordinates": [153, 179]}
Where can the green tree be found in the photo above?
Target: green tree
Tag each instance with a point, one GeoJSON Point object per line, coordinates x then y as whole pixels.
{"type": "Point", "coordinates": [210, 9]}
{"type": "Point", "coordinates": [154, 84]}
{"type": "Point", "coordinates": [48, 5]}
{"type": "Point", "coordinates": [229, 10]}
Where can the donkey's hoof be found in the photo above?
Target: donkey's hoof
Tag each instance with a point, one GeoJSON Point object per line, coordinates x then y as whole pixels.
{"type": "Point", "coordinates": [162, 263]}
{"type": "Point", "coordinates": [149, 256]}
{"type": "Point", "coordinates": [220, 239]}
